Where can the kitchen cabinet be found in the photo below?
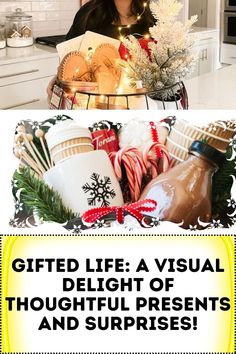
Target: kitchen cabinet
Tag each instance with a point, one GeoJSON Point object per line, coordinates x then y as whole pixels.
{"type": "Point", "coordinates": [228, 53]}
{"type": "Point", "coordinates": [24, 79]}
{"type": "Point", "coordinates": [207, 51]}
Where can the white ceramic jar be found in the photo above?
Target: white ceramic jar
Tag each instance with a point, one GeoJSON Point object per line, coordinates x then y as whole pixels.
{"type": "Point", "coordinates": [84, 178]}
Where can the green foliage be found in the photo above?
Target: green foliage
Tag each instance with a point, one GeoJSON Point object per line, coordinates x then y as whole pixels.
{"type": "Point", "coordinates": [39, 197]}
{"type": "Point", "coordinates": [222, 184]}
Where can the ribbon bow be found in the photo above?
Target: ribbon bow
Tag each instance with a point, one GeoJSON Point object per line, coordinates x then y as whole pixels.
{"type": "Point", "coordinates": [136, 210]}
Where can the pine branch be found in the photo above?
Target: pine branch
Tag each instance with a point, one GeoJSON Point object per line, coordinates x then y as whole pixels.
{"type": "Point", "coordinates": [39, 197]}
{"type": "Point", "coordinates": [222, 184]}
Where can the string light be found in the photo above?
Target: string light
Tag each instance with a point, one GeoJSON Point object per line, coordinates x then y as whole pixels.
{"type": "Point", "coordinates": [138, 18]}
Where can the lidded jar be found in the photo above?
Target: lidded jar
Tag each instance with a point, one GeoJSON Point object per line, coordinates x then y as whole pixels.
{"type": "Point", "coordinates": [19, 29]}
{"type": "Point", "coordinates": [184, 193]}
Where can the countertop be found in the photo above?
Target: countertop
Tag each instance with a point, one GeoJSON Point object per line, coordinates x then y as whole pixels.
{"type": "Point", "coordinates": [216, 90]}
{"type": "Point", "coordinates": [18, 55]}
{"type": "Point", "coordinates": [204, 29]}
{"type": "Point", "coordinates": [37, 51]}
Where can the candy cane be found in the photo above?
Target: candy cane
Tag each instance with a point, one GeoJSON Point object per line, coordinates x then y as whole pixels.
{"type": "Point", "coordinates": [134, 166]}
{"type": "Point", "coordinates": [153, 163]}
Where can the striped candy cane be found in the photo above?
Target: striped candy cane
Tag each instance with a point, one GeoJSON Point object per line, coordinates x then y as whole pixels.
{"type": "Point", "coordinates": [152, 163]}
{"type": "Point", "coordinates": [135, 168]}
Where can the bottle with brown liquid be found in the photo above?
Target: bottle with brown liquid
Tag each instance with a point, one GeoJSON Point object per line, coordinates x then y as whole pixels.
{"type": "Point", "coordinates": [184, 192]}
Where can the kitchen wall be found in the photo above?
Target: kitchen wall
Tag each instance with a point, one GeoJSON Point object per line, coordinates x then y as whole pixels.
{"type": "Point", "coordinates": [54, 16]}
{"type": "Point", "coordinates": [50, 16]}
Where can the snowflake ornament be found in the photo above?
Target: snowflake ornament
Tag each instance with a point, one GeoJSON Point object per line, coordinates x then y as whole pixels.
{"type": "Point", "coordinates": [99, 191]}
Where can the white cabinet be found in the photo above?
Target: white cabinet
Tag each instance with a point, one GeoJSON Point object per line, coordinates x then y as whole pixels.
{"type": "Point", "coordinates": [23, 84]}
{"type": "Point", "coordinates": [228, 53]}
{"type": "Point", "coordinates": [207, 50]}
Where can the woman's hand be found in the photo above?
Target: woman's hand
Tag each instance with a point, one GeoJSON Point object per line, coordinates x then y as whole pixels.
{"type": "Point", "coordinates": [50, 88]}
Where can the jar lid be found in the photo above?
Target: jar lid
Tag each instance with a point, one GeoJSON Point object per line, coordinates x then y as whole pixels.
{"type": "Point", "coordinates": [212, 154]}
{"type": "Point", "coordinates": [64, 131]}
{"type": "Point", "coordinates": [18, 15]}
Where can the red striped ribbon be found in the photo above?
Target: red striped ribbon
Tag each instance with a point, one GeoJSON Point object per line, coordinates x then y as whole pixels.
{"type": "Point", "coordinates": [136, 210]}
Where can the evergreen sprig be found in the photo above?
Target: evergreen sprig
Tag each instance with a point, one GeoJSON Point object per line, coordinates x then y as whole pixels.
{"type": "Point", "coordinates": [39, 197]}
{"type": "Point", "coordinates": [222, 184]}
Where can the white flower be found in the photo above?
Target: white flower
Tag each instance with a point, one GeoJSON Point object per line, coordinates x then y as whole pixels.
{"type": "Point", "coordinates": [14, 183]}
{"type": "Point", "coordinates": [215, 224]}
{"type": "Point", "coordinates": [193, 227]}
{"type": "Point", "coordinates": [232, 143]}
{"type": "Point", "coordinates": [99, 224]}
{"type": "Point", "coordinates": [76, 229]}
{"type": "Point", "coordinates": [155, 222]}
{"type": "Point", "coordinates": [14, 222]}
{"type": "Point", "coordinates": [35, 125]}
{"type": "Point", "coordinates": [233, 220]}
{"type": "Point", "coordinates": [231, 203]}
{"type": "Point", "coordinates": [18, 206]}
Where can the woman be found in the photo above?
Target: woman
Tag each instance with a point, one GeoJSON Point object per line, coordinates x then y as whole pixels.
{"type": "Point", "coordinates": [110, 18]}
{"type": "Point", "coordinates": [107, 16]}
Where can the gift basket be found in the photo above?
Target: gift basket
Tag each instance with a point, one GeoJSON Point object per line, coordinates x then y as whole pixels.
{"type": "Point", "coordinates": [134, 72]}
{"type": "Point", "coordinates": [97, 176]}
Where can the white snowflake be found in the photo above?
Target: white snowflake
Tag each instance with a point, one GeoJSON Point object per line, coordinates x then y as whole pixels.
{"type": "Point", "coordinates": [99, 190]}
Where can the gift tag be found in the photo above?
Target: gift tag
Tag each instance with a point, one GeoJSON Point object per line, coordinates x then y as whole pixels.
{"type": "Point", "coordinates": [56, 99]}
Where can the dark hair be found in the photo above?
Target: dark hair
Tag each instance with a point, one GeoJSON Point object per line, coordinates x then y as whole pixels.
{"type": "Point", "coordinates": [104, 12]}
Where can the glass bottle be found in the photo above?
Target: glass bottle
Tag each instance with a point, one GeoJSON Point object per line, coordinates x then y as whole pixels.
{"type": "Point", "coordinates": [184, 192]}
